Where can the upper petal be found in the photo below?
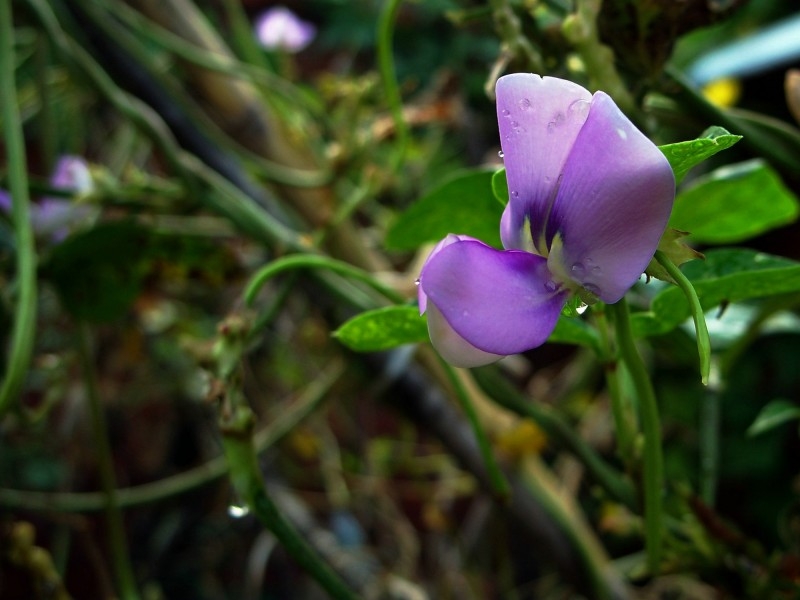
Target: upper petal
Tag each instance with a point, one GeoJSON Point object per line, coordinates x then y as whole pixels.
{"type": "Point", "coordinates": [501, 302]}
{"type": "Point", "coordinates": [612, 206]}
{"type": "Point", "coordinates": [539, 119]}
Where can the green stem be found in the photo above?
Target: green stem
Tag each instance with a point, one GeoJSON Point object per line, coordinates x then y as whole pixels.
{"type": "Point", "coordinates": [247, 480]}
{"type": "Point", "coordinates": [621, 409]}
{"type": "Point", "coordinates": [703, 341]}
{"type": "Point", "coordinates": [24, 321]}
{"type": "Point", "coordinates": [497, 479]}
{"type": "Point", "coordinates": [315, 261]}
{"type": "Point", "coordinates": [653, 475]}
{"type": "Point", "coordinates": [116, 529]}
{"type": "Point", "coordinates": [389, 76]}
{"type": "Point", "coordinates": [504, 394]}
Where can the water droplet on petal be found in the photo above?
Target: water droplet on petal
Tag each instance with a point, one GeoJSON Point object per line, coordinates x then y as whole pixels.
{"type": "Point", "coordinates": [580, 108]}
{"type": "Point", "coordinates": [515, 194]}
{"type": "Point", "coordinates": [578, 268]}
{"type": "Point", "coordinates": [416, 281]}
{"type": "Point", "coordinates": [525, 104]}
{"type": "Point", "coordinates": [550, 286]}
{"type": "Point", "coordinates": [506, 112]}
{"type": "Point", "coordinates": [500, 154]}
{"type": "Point", "coordinates": [596, 270]}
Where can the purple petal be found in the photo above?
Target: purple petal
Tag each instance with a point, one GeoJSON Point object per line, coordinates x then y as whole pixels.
{"type": "Point", "coordinates": [278, 28]}
{"type": "Point", "coordinates": [72, 174]}
{"type": "Point", "coordinates": [501, 302]}
{"type": "Point", "coordinates": [539, 120]}
{"type": "Point", "coordinates": [613, 204]}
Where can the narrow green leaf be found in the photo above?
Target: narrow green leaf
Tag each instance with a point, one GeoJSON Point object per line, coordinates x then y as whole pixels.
{"type": "Point", "coordinates": [383, 329]}
{"type": "Point", "coordinates": [772, 415]}
{"type": "Point", "coordinates": [500, 186]}
{"type": "Point", "coordinates": [734, 203]}
{"type": "Point", "coordinates": [726, 275]}
{"type": "Point", "coordinates": [462, 205]}
{"type": "Point", "coordinates": [682, 156]}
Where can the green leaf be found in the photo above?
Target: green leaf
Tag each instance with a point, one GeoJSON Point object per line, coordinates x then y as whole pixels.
{"type": "Point", "coordinates": [572, 330]}
{"type": "Point", "coordinates": [99, 273]}
{"type": "Point", "coordinates": [726, 275]}
{"type": "Point", "coordinates": [462, 205]}
{"type": "Point", "coordinates": [500, 186]}
{"type": "Point", "coordinates": [682, 156]}
{"type": "Point", "coordinates": [772, 415]}
{"type": "Point", "coordinates": [734, 203]}
{"type": "Point", "coordinates": [383, 329]}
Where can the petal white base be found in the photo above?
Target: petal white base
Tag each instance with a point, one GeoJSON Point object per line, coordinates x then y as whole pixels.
{"type": "Point", "coordinates": [452, 347]}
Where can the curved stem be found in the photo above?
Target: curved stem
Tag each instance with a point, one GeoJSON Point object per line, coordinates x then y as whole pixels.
{"type": "Point", "coordinates": [286, 420]}
{"type": "Point", "coordinates": [315, 261]}
{"type": "Point", "coordinates": [653, 475]}
{"type": "Point", "coordinates": [703, 341]}
{"type": "Point", "coordinates": [24, 322]}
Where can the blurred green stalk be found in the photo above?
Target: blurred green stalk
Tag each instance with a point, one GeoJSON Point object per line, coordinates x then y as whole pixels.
{"type": "Point", "coordinates": [24, 321]}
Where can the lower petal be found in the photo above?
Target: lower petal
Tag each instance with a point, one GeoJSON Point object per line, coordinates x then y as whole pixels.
{"type": "Point", "coordinates": [500, 302]}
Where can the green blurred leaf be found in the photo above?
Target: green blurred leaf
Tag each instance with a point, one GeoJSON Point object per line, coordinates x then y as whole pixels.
{"type": "Point", "coordinates": [99, 273]}
{"type": "Point", "coordinates": [500, 186]}
{"type": "Point", "coordinates": [462, 205]}
{"type": "Point", "coordinates": [383, 329]}
{"type": "Point", "coordinates": [682, 156]}
{"type": "Point", "coordinates": [726, 275]}
{"type": "Point", "coordinates": [772, 415]}
{"type": "Point", "coordinates": [734, 203]}
{"type": "Point", "coordinates": [573, 330]}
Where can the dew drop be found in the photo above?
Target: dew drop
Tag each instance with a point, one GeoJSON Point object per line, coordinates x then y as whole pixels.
{"type": "Point", "coordinates": [506, 112]}
{"type": "Point", "coordinates": [550, 286]}
{"type": "Point", "coordinates": [416, 281]}
{"type": "Point", "coordinates": [525, 104]}
{"type": "Point", "coordinates": [580, 108]}
{"type": "Point", "coordinates": [581, 308]}
{"type": "Point", "coordinates": [237, 512]}
{"type": "Point", "coordinates": [500, 154]}
{"type": "Point", "coordinates": [578, 268]}
{"type": "Point", "coordinates": [596, 270]}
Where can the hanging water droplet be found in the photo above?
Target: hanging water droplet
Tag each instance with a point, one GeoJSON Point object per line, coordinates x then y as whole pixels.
{"type": "Point", "coordinates": [525, 104]}
{"type": "Point", "coordinates": [515, 194]}
{"type": "Point", "coordinates": [236, 511]}
{"type": "Point", "coordinates": [500, 154]}
{"type": "Point", "coordinates": [416, 281]}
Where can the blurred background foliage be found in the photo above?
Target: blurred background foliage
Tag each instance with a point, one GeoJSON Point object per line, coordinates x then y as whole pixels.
{"type": "Point", "coordinates": [210, 156]}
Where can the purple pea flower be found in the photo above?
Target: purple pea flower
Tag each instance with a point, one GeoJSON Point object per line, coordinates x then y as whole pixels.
{"type": "Point", "coordinates": [51, 216]}
{"type": "Point", "coordinates": [590, 197]}
{"type": "Point", "coordinates": [278, 28]}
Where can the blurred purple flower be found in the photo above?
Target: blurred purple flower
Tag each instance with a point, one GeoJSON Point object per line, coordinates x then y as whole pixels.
{"type": "Point", "coordinates": [278, 28]}
{"type": "Point", "coordinates": [52, 216]}
{"type": "Point", "coordinates": [590, 197]}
